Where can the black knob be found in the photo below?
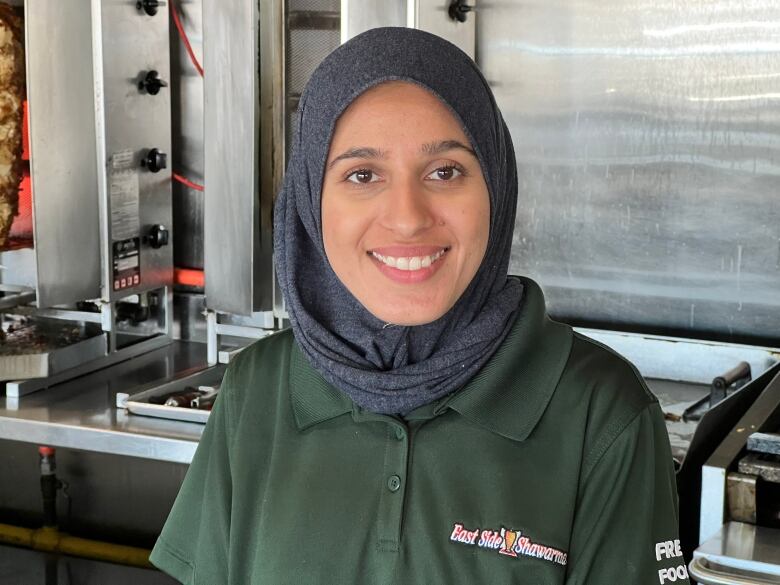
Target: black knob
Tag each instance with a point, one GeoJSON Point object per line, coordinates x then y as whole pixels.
{"type": "Point", "coordinates": [459, 9]}
{"type": "Point", "coordinates": [158, 236]}
{"type": "Point", "coordinates": [151, 83]}
{"type": "Point", "coordinates": [155, 160]}
{"type": "Point", "coordinates": [148, 6]}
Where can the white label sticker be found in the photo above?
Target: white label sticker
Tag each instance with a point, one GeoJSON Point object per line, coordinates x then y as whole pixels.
{"type": "Point", "coordinates": [124, 193]}
{"type": "Point", "coordinates": [123, 264]}
{"type": "Point", "coordinates": [122, 159]}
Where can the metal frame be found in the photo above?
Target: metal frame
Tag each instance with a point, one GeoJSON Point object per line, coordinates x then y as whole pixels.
{"type": "Point", "coordinates": [265, 325]}
{"type": "Point", "coordinates": [714, 487]}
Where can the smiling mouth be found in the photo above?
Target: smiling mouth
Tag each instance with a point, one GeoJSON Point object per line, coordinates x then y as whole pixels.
{"type": "Point", "coordinates": [410, 263]}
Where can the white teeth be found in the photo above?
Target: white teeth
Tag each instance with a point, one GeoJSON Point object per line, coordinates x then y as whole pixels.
{"type": "Point", "coordinates": [409, 263]}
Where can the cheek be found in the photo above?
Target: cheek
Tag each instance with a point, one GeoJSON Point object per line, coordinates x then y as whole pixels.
{"type": "Point", "coordinates": [331, 228]}
{"type": "Point", "coordinates": [343, 227]}
{"type": "Point", "coordinates": [474, 230]}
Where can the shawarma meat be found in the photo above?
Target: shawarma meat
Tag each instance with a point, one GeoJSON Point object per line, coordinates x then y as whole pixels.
{"type": "Point", "coordinates": [12, 92]}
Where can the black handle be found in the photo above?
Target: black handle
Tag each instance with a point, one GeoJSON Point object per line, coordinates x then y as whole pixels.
{"type": "Point", "coordinates": [152, 83]}
{"type": "Point", "coordinates": [158, 236]}
{"type": "Point", "coordinates": [721, 383]}
{"type": "Point", "coordinates": [149, 6]}
{"type": "Point", "coordinates": [155, 160]}
{"type": "Point", "coordinates": [459, 10]}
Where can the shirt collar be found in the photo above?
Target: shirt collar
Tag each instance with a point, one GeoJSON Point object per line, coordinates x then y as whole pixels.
{"type": "Point", "coordinates": [507, 396]}
{"type": "Point", "coordinates": [510, 393]}
{"type": "Point", "coordinates": [314, 400]}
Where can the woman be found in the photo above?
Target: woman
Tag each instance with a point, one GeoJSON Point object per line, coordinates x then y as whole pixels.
{"type": "Point", "coordinates": [424, 421]}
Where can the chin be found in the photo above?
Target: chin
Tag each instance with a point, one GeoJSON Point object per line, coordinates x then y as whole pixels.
{"type": "Point", "coordinates": [410, 316]}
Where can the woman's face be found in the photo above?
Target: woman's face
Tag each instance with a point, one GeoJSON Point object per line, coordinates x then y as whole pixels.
{"type": "Point", "coordinates": [405, 209]}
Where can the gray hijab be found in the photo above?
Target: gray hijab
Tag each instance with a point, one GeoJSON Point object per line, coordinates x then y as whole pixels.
{"type": "Point", "coordinates": [386, 368]}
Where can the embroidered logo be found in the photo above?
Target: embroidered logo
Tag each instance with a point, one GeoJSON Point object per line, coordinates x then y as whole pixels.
{"type": "Point", "coordinates": [511, 543]}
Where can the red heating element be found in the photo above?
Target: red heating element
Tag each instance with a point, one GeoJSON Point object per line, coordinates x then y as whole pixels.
{"type": "Point", "coordinates": [22, 227]}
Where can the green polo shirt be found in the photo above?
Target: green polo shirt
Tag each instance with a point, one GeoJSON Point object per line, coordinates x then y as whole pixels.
{"type": "Point", "coordinates": [551, 466]}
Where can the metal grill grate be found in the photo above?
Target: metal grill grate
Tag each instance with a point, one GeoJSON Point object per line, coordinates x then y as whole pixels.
{"type": "Point", "coordinates": [313, 32]}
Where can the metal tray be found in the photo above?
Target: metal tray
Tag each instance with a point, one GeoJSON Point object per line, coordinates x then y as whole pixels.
{"type": "Point", "coordinates": [138, 403]}
{"type": "Point", "coordinates": [45, 363]}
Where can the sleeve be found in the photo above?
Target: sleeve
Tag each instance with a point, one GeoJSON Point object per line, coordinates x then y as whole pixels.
{"type": "Point", "coordinates": [193, 545]}
{"type": "Point", "coordinates": [625, 527]}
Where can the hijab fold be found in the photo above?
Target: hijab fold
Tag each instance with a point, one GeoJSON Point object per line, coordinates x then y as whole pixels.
{"type": "Point", "coordinates": [386, 368]}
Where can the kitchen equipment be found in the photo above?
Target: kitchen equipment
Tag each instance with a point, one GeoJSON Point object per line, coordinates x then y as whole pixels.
{"type": "Point", "coordinates": [99, 138]}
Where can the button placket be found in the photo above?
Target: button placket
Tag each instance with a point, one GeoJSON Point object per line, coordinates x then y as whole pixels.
{"type": "Point", "coordinates": [393, 488]}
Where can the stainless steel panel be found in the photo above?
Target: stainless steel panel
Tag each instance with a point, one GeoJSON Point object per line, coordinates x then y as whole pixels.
{"type": "Point", "coordinates": [433, 16]}
{"type": "Point", "coordinates": [63, 165]}
{"type": "Point", "coordinates": [648, 144]}
{"type": "Point", "coordinates": [674, 358]}
{"type": "Point", "coordinates": [189, 317]}
{"type": "Point", "coordinates": [237, 253]}
{"type": "Point", "coordinates": [128, 43]}
{"type": "Point", "coordinates": [18, 268]}
{"type": "Point", "coordinates": [82, 413]}
{"type": "Point", "coordinates": [97, 482]}
{"type": "Point", "coordinates": [739, 553]}
{"type": "Point", "coordinates": [187, 129]}
{"type": "Point", "coordinates": [358, 16]}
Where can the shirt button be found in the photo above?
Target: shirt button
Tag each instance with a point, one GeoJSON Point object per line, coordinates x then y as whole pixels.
{"type": "Point", "coordinates": [399, 433]}
{"type": "Point", "coordinates": [393, 483]}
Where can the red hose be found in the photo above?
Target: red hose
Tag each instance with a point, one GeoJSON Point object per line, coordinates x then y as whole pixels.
{"type": "Point", "coordinates": [186, 181]}
{"type": "Point", "coordinates": [184, 38]}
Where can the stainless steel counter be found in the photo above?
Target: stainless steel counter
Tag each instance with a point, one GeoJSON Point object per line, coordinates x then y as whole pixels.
{"type": "Point", "coordinates": [82, 413]}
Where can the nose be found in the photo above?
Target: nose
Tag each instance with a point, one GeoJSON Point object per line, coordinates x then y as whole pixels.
{"type": "Point", "coordinates": [407, 210]}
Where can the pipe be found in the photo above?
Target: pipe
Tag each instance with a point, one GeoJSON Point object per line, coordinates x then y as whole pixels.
{"type": "Point", "coordinates": [49, 485]}
{"type": "Point", "coordinates": [51, 540]}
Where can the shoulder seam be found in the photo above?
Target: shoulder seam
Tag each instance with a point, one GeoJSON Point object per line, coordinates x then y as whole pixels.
{"type": "Point", "coordinates": [585, 339]}
{"type": "Point", "coordinates": [608, 438]}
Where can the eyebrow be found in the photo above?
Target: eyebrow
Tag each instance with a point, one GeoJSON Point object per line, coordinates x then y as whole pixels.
{"type": "Point", "coordinates": [434, 148]}
{"type": "Point", "coordinates": [357, 152]}
{"type": "Point", "coordinates": [429, 148]}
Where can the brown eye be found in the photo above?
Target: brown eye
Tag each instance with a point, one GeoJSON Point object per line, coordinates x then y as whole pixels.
{"type": "Point", "coordinates": [447, 173]}
{"type": "Point", "coordinates": [363, 176]}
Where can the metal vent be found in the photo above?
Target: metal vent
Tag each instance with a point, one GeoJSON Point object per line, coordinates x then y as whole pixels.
{"type": "Point", "coordinates": [313, 31]}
